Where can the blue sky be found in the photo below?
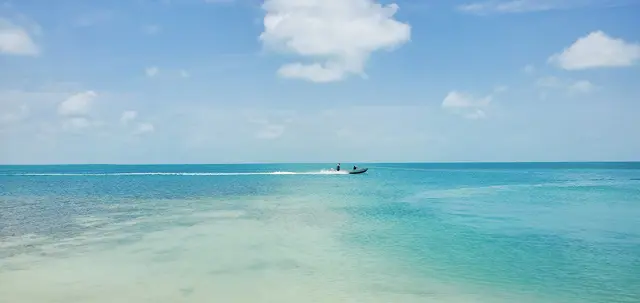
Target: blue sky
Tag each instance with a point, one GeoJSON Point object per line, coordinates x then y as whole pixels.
{"type": "Point", "coordinates": [215, 81]}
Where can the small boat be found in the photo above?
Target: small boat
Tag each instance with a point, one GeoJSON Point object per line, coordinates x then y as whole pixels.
{"type": "Point", "coordinates": [358, 171]}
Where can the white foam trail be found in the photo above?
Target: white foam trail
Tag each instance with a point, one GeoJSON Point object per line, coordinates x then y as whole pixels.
{"type": "Point", "coordinates": [322, 172]}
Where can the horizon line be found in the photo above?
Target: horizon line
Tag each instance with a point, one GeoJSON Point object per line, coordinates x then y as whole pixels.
{"type": "Point", "coordinates": [302, 162]}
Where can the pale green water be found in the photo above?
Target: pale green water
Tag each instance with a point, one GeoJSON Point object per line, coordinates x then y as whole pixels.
{"type": "Point", "coordinates": [400, 233]}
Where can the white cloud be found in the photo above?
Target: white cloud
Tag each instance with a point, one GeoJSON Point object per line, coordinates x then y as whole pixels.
{"type": "Point", "coordinates": [144, 128]}
{"type": "Point", "coordinates": [597, 49]}
{"type": "Point", "coordinates": [184, 74]}
{"type": "Point", "coordinates": [339, 35]}
{"type": "Point", "coordinates": [75, 111]}
{"type": "Point", "coordinates": [77, 105]}
{"type": "Point", "coordinates": [466, 105]}
{"type": "Point", "coordinates": [152, 71]}
{"type": "Point", "coordinates": [457, 99]}
{"type": "Point", "coordinates": [22, 109]}
{"type": "Point", "coordinates": [314, 72]}
{"type": "Point", "coordinates": [15, 40]}
{"type": "Point", "coordinates": [128, 116]}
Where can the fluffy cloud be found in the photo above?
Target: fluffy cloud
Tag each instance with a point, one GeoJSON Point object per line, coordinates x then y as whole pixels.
{"type": "Point", "coordinates": [77, 105]}
{"type": "Point", "coordinates": [24, 108]}
{"type": "Point", "coordinates": [184, 74]}
{"type": "Point", "coordinates": [15, 40]}
{"type": "Point", "coordinates": [469, 106]}
{"type": "Point", "coordinates": [75, 111]}
{"type": "Point", "coordinates": [152, 71]}
{"type": "Point", "coordinates": [597, 49]}
{"type": "Point", "coordinates": [314, 72]}
{"type": "Point", "coordinates": [47, 124]}
{"type": "Point", "coordinates": [340, 35]}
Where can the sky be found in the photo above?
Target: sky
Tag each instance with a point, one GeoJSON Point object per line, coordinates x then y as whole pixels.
{"type": "Point", "coordinates": [245, 81]}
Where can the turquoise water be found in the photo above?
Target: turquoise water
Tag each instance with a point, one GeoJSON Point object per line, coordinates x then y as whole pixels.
{"type": "Point", "coordinates": [495, 232]}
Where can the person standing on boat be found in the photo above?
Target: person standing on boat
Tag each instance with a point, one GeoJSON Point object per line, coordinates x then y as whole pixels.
{"type": "Point", "coordinates": [338, 168]}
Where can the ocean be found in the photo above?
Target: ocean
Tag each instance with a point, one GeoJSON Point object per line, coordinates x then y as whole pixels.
{"type": "Point", "coordinates": [410, 232]}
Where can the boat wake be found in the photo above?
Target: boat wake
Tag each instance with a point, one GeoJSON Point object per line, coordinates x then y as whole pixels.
{"type": "Point", "coordinates": [321, 172]}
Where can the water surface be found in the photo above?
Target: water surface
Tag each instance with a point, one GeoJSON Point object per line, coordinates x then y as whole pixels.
{"type": "Point", "coordinates": [465, 232]}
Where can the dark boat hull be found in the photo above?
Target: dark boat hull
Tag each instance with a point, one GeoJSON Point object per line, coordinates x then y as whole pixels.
{"type": "Point", "coordinates": [358, 171]}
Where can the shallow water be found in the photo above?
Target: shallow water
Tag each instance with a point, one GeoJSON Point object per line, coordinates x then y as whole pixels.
{"type": "Point", "coordinates": [298, 233]}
